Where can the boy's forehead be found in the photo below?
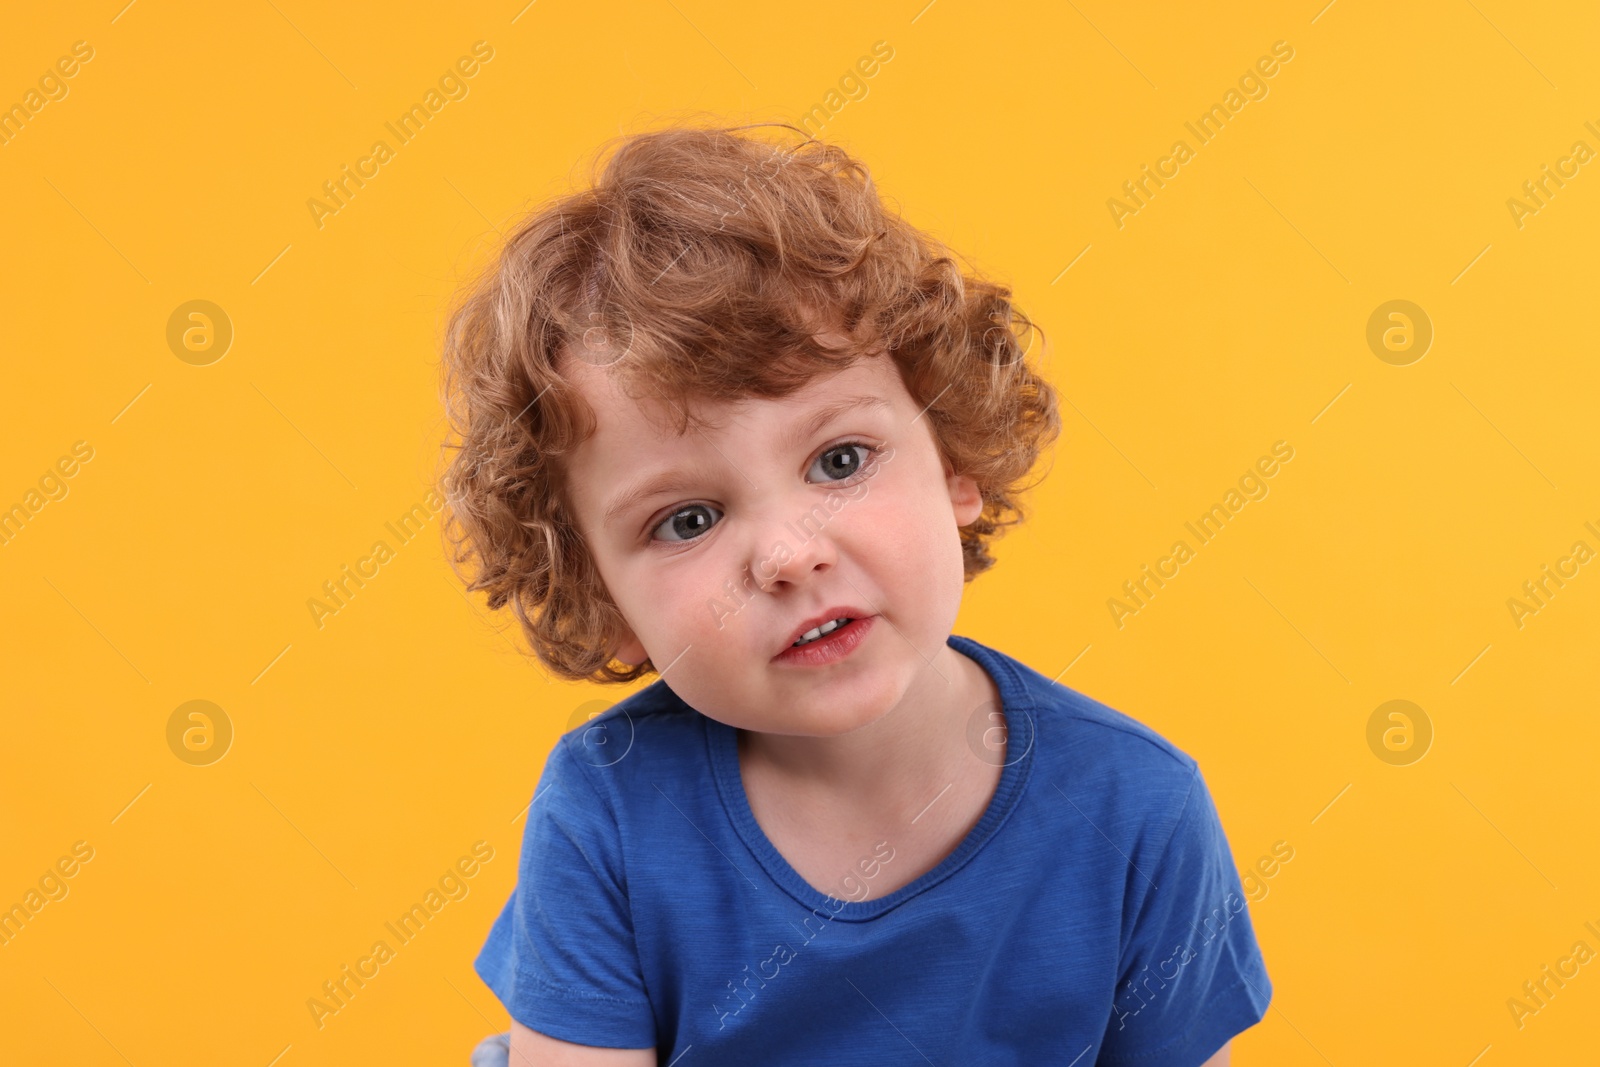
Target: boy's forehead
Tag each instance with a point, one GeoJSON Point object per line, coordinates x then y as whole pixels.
{"type": "Point", "coordinates": [628, 429]}
{"type": "Point", "coordinates": [658, 420]}
{"type": "Point", "coordinates": [646, 423]}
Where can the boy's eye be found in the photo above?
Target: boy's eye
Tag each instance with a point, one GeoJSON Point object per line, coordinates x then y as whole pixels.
{"type": "Point", "coordinates": [838, 464]}
{"type": "Point", "coordinates": [689, 521]}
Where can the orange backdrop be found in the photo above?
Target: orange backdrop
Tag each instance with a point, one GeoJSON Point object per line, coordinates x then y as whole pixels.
{"type": "Point", "coordinates": [1350, 243]}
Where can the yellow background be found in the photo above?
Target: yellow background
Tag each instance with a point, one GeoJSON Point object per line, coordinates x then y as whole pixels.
{"type": "Point", "coordinates": [1229, 313]}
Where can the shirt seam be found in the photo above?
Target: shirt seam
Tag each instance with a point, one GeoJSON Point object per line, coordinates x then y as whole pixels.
{"type": "Point", "coordinates": [1187, 1036]}
{"type": "Point", "coordinates": [569, 994]}
{"type": "Point", "coordinates": [1160, 744]}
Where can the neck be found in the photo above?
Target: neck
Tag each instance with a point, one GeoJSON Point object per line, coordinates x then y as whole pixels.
{"type": "Point", "coordinates": [895, 765]}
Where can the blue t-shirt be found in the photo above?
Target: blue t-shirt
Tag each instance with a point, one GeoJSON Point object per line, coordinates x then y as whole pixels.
{"type": "Point", "coordinates": [1092, 916]}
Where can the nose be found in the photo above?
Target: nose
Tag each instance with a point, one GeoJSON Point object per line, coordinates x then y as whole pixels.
{"type": "Point", "coordinates": [792, 549]}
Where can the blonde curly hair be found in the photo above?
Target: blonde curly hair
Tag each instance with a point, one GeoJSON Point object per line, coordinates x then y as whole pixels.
{"type": "Point", "coordinates": [695, 267]}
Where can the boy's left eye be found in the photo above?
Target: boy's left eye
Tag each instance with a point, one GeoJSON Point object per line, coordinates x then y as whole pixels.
{"type": "Point", "coordinates": [837, 462]}
{"type": "Point", "coordinates": [844, 464]}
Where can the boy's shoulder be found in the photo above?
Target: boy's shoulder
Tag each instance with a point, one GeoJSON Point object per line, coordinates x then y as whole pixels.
{"type": "Point", "coordinates": [1087, 720]}
{"type": "Point", "coordinates": [648, 731]}
{"type": "Point", "coordinates": [1062, 702]}
{"type": "Point", "coordinates": [1086, 746]}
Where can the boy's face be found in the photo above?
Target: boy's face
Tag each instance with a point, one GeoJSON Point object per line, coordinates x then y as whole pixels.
{"type": "Point", "coordinates": [766, 531]}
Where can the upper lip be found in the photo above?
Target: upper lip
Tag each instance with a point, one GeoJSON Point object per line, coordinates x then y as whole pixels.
{"type": "Point", "coordinates": [844, 612]}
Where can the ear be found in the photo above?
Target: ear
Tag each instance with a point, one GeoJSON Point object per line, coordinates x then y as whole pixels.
{"type": "Point", "coordinates": [966, 500]}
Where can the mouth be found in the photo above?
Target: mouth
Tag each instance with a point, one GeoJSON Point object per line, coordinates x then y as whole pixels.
{"type": "Point", "coordinates": [827, 637]}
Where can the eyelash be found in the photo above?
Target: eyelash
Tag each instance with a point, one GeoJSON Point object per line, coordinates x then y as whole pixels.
{"type": "Point", "coordinates": [664, 517]}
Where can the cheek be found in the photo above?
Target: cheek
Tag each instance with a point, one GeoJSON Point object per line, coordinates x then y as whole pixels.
{"type": "Point", "coordinates": [664, 595]}
{"type": "Point", "coordinates": [649, 593]}
{"type": "Point", "coordinates": [694, 595]}
{"type": "Point", "coordinates": [905, 524]}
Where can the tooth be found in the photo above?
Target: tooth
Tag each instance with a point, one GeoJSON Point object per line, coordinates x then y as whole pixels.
{"type": "Point", "coordinates": [825, 628]}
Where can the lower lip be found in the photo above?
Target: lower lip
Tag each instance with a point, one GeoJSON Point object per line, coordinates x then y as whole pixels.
{"type": "Point", "coordinates": [830, 648]}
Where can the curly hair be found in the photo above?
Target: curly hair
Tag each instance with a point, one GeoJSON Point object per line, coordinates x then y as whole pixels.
{"type": "Point", "coordinates": [697, 266]}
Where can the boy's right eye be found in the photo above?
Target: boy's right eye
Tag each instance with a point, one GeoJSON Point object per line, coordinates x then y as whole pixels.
{"type": "Point", "coordinates": [687, 522]}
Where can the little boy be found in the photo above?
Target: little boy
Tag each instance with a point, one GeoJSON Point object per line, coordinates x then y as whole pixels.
{"type": "Point", "coordinates": [726, 418]}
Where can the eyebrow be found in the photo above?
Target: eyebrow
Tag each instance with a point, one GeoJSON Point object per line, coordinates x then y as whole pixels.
{"type": "Point", "coordinates": [671, 481]}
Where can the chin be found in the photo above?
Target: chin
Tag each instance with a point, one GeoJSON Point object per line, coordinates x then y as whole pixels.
{"type": "Point", "coordinates": [835, 720]}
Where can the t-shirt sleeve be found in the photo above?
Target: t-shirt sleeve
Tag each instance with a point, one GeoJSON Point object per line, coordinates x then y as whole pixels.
{"type": "Point", "coordinates": [561, 956]}
{"type": "Point", "coordinates": [1192, 975]}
